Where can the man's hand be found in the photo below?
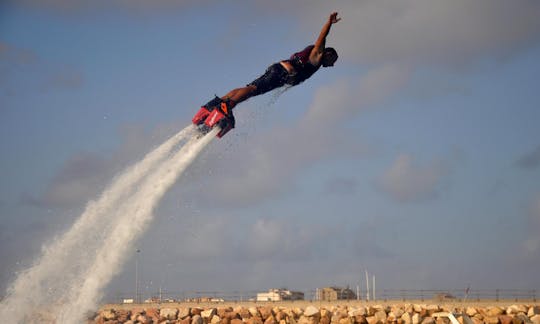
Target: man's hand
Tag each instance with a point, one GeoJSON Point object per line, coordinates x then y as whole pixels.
{"type": "Point", "coordinates": [333, 18]}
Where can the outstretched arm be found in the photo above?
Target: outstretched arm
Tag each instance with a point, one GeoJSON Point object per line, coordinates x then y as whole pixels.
{"type": "Point", "coordinates": [317, 51]}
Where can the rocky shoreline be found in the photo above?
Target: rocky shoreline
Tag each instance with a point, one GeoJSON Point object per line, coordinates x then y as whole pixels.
{"type": "Point", "coordinates": [400, 313]}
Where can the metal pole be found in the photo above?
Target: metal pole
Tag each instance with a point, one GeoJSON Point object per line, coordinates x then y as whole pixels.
{"type": "Point", "coordinates": [137, 277]}
{"type": "Point", "coordinates": [374, 298]}
{"type": "Point", "coordinates": [367, 286]}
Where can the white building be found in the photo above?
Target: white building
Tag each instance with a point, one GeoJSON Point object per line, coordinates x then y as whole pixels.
{"type": "Point", "coordinates": [279, 295]}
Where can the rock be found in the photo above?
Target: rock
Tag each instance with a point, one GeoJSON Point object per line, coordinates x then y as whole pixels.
{"type": "Point", "coordinates": [168, 313]}
{"type": "Point", "coordinates": [236, 321]}
{"type": "Point", "coordinates": [416, 318]}
{"type": "Point", "coordinates": [394, 315]}
{"type": "Point", "coordinates": [428, 320]}
{"type": "Point", "coordinates": [516, 309]}
{"type": "Point", "coordinates": [432, 309]}
{"type": "Point", "coordinates": [208, 313]}
{"type": "Point", "coordinates": [254, 320]}
{"type": "Point", "coordinates": [184, 312]}
{"type": "Point", "coordinates": [505, 319]}
{"type": "Point", "coordinates": [372, 320]}
{"type": "Point", "coordinates": [215, 319]}
{"type": "Point", "coordinates": [359, 319]}
{"type": "Point", "coordinates": [308, 320]}
{"type": "Point", "coordinates": [357, 311]}
{"type": "Point", "coordinates": [265, 312]}
{"type": "Point", "coordinates": [417, 308]}
{"type": "Point", "coordinates": [153, 314]}
{"type": "Point", "coordinates": [406, 318]}
{"type": "Point", "coordinates": [534, 310]}
{"type": "Point", "coordinates": [476, 320]}
{"type": "Point", "coordinates": [195, 311]}
{"type": "Point", "coordinates": [535, 319]}
{"type": "Point", "coordinates": [494, 311]}
{"type": "Point", "coordinates": [271, 320]}
{"type": "Point", "coordinates": [254, 312]}
{"type": "Point", "coordinates": [471, 311]}
{"type": "Point", "coordinates": [108, 315]}
{"type": "Point", "coordinates": [311, 311]}
{"type": "Point", "coordinates": [244, 313]}
{"type": "Point", "coordinates": [491, 320]}
{"type": "Point", "coordinates": [197, 319]}
{"type": "Point", "coordinates": [123, 315]}
{"type": "Point", "coordinates": [143, 319]}
{"type": "Point", "coordinates": [380, 316]}
{"type": "Point", "coordinates": [442, 320]}
{"type": "Point", "coordinates": [338, 314]}
{"type": "Point", "coordinates": [521, 319]}
{"type": "Point", "coordinates": [346, 320]}
{"type": "Point", "coordinates": [185, 320]}
{"type": "Point", "coordinates": [281, 315]}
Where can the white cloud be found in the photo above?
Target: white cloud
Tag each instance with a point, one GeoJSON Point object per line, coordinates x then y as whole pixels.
{"type": "Point", "coordinates": [419, 32]}
{"type": "Point", "coordinates": [406, 181]}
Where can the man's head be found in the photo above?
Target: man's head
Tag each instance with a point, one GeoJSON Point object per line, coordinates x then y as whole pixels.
{"type": "Point", "coordinates": [329, 57]}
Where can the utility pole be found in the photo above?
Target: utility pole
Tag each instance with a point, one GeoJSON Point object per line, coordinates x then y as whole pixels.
{"type": "Point", "coordinates": [374, 298]}
{"type": "Point", "coordinates": [367, 286]}
{"type": "Point", "coordinates": [137, 276]}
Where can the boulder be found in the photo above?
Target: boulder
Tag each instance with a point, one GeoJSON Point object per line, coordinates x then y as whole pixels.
{"type": "Point", "coordinates": [471, 311]}
{"type": "Point", "coordinates": [346, 320]}
{"type": "Point", "coordinates": [184, 312]}
{"type": "Point", "coordinates": [195, 311]}
{"type": "Point", "coordinates": [432, 309]}
{"type": "Point", "coordinates": [123, 315]}
{"type": "Point", "coordinates": [428, 320]}
{"type": "Point", "coordinates": [534, 310]}
{"type": "Point", "coordinates": [416, 318]}
{"type": "Point", "coordinates": [535, 319]}
{"type": "Point", "coordinates": [197, 319]}
{"type": "Point", "coordinates": [215, 319]}
{"type": "Point", "coordinates": [143, 319]}
{"type": "Point", "coordinates": [168, 313]}
{"type": "Point", "coordinates": [266, 312]}
{"type": "Point", "coordinates": [207, 314]}
{"type": "Point", "coordinates": [491, 320]}
{"type": "Point", "coordinates": [521, 319]}
{"type": "Point", "coordinates": [185, 320]}
{"type": "Point", "coordinates": [406, 318]}
{"type": "Point", "coordinates": [494, 311]}
{"type": "Point", "coordinates": [153, 314]}
{"type": "Point", "coordinates": [108, 315]}
{"type": "Point", "coordinates": [311, 311]}
{"type": "Point", "coordinates": [505, 319]}
{"type": "Point", "coordinates": [516, 309]}
{"type": "Point", "coordinates": [243, 312]}
{"type": "Point", "coordinates": [357, 311]}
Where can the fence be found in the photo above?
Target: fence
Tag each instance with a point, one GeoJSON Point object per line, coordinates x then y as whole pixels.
{"type": "Point", "coordinates": [384, 295]}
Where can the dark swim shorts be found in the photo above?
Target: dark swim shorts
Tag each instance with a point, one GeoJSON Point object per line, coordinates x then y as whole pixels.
{"type": "Point", "coordinates": [274, 77]}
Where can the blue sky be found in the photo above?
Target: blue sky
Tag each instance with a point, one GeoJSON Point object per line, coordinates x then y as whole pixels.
{"type": "Point", "coordinates": [417, 156]}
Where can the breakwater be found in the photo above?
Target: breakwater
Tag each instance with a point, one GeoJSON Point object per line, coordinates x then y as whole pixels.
{"type": "Point", "coordinates": [318, 313]}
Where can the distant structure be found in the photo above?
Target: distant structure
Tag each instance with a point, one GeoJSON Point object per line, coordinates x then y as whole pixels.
{"type": "Point", "coordinates": [335, 293]}
{"type": "Point", "coordinates": [280, 295]}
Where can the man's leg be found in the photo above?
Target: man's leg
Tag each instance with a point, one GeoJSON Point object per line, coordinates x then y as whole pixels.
{"type": "Point", "coordinates": [238, 95]}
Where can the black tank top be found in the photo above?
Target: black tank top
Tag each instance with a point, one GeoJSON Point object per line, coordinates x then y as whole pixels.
{"type": "Point", "coordinates": [303, 67]}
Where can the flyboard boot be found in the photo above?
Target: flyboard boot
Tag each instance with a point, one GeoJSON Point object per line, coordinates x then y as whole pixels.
{"type": "Point", "coordinates": [216, 112]}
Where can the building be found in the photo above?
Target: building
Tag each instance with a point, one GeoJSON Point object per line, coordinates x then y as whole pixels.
{"type": "Point", "coordinates": [335, 293]}
{"type": "Point", "coordinates": [280, 295]}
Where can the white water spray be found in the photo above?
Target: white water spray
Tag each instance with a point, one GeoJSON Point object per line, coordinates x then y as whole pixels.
{"type": "Point", "coordinates": [68, 279]}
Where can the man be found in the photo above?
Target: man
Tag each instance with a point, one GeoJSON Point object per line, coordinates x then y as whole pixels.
{"type": "Point", "coordinates": [298, 68]}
